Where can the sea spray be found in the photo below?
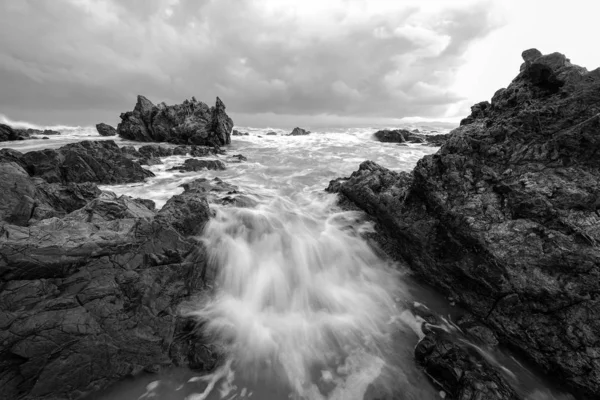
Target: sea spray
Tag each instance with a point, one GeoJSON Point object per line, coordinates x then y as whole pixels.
{"type": "Point", "coordinates": [298, 292]}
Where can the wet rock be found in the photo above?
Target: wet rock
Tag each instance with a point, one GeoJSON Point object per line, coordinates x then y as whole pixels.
{"type": "Point", "coordinates": [8, 133]}
{"type": "Point", "coordinates": [87, 161]}
{"type": "Point", "coordinates": [198, 165]}
{"type": "Point", "coordinates": [238, 158]}
{"type": "Point", "coordinates": [16, 194]}
{"type": "Point", "coordinates": [459, 370]}
{"type": "Point", "coordinates": [105, 129]}
{"type": "Point", "coordinates": [91, 292]}
{"type": "Point", "coordinates": [275, 133]}
{"type": "Point", "coordinates": [191, 122]}
{"type": "Point", "coordinates": [86, 295]}
{"type": "Point", "coordinates": [504, 217]}
{"type": "Point", "coordinates": [220, 192]}
{"type": "Point", "coordinates": [155, 151]}
{"type": "Point", "coordinates": [299, 132]}
{"type": "Point", "coordinates": [405, 136]}
{"type": "Point", "coordinates": [187, 212]}
{"type": "Point", "coordinates": [150, 161]}
{"type": "Point", "coordinates": [238, 133]}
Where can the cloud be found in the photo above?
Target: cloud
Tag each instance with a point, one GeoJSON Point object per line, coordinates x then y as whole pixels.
{"type": "Point", "coordinates": [86, 60]}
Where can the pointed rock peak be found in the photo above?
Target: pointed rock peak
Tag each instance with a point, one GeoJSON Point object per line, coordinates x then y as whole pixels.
{"type": "Point", "coordinates": [143, 105]}
{"type": "Point", "coordinates": [219, 104]}
{"type": "Point", "coordinates": [531, 55]}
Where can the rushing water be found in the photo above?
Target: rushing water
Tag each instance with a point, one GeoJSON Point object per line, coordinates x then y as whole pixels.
{"type": "Point", "coordinates": [304, 307]}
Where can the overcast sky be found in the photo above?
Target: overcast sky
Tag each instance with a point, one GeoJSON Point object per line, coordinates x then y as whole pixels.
{"type": "Point", "coordinates": [277, 63]}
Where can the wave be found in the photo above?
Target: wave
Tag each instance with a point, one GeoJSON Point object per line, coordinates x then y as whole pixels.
{"type": "Point", "coordinates": [30, 125]}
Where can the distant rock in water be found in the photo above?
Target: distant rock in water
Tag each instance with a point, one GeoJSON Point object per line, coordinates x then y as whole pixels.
{"type": "Point", "coordinates": [405, 136]}
{"type": "Point", "coordinates": [273, 133]}
{"type": "Point", "coordinates": [198, 165]}
{"type": "Point", "coordinates": [299, 132]}
{"type": "Point", "coordinates": [105, 129]}
{"type": "Point", "coordinates": [238, 133]}
{"type": "Point", "coordinates": [505, 216]}
{"type": "Point", "coordinates": [191, 122]}
{"type": "Point", "coordinates": [7, 133]}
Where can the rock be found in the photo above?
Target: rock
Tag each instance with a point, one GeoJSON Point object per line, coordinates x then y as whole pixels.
{"type": "Point", "coordinates": [87, 161]}
{"type": "Point", "coordinates": [198, 165]}
{"type": "Point", "coordinates": [102, 296]}
{"type": "Point", "coordinates": [7, 133]}
{"type": "Point", "coordinates": [504, 217]}
{"type": "Point", "coordinates": [187, 212]}
{"type": "Point", "coordinates": [238, 133]}
{"type": "Point", "coordinates": [105, 129]}
{"type": "Point", "coordinates": [219, 192]}
{"type": "Point", "coordinates": [191, 122]}
{"type": "Point", "coordinates": [239, 157]}
{"type": "Point", "coordinates": [57, 200]}
{"type": "Point", "coordinates": [95, 285]}
{"type": "Point", "coordinates": [150, 161]}
{"type": "Point", "coordinates": [459, 370]}
{"type": "Point", "coordinates": [531, 55]}
{"type": "Point", "coordinates": [299, 132]}
{"type": "Point", "coordinates": [16, 194]}
{"type": "Point", "coordinates": [46, 137]}
{"type": "Point", "coordinates": [49, 132]}
{"type": "Point", "coordinates": [155, 151]}
{"type": "Point", "coordinates": [275, 133]}
{"type": "Point", "coordinates": [403, 136]}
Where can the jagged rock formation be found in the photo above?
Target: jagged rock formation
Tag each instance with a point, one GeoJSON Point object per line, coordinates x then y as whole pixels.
{"type": "Point", "coordinates": [191, 122]}
{"type": "Point", "coordinates": [87, 161]}
{"type": "Point", "coordinates": [297, 132]}
{"type": "Point", "coordinates": [91, 284]}
{"type": "Point", "coordinates": [505, 217]}
{"type": "Point", "coordinates": [105, 129]}
{"type": "Point", "coordinates": [403, 136]}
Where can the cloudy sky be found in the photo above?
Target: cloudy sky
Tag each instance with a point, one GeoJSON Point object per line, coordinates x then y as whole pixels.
{"type": "Point", "coordinates": [277, 63]}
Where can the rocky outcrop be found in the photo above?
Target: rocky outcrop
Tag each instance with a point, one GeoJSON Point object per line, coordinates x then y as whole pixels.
{"type": "Point", "coordinates": [198, 165]}
{"type": "Point", "coordinates": [297, 132]}
{"type": "Point", "coordinates": [504, 217]}
{"type": "Point", "coordinates": [405, 136]}
{"type": "Point", "coordinates": [91, 284]}
{"type": "Point", "coordinates": [238, 133]}
{"type": "Point", "coordinates": [105, 129]}
{"type": "Point", "coordinates": [7, 133]}
{"type": "Point", "coordinates": [88, 161]}
{"type": "Point", "coordinates": [191, 122]}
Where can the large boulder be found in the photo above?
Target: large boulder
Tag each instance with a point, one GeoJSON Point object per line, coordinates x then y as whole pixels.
{"type": "Point", "coordinates": [191, 122]}
{"type": "Point", "coordinates": [88, 161]}
{"type": "Point", "coordinates": [105, 129]}
{"type": "Point", "coordinates": [403, 136]}
{"type": "Point", "coordinates": [504, 217]}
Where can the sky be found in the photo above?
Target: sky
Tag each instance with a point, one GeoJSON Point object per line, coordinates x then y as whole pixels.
{"type": "Point", "coordinates": [277, 63]}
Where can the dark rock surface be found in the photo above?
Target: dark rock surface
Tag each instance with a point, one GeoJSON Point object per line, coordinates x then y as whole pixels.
{"type": "Point", "coordinates": [459, 370]}
{"type": "Point", "coordinates": [88, 161]}
{"type": "Point", "coordinates": [405, 136]}
{"type": "Point", "coordinates": [198, 165]}
{"type": "Point", "coordinates": [105, 129]}
{"type": "Point", "coordinates": [91, 284]}
{"type": "Point", "coordinates": [238, 133]}
{"type": "Point", "coordinates": [504, 218]}
{"type": "Point", "coordinates": [191, 122]}
{"type": "Point", "coordinates": [8, 133]}
{"type": "Point", "coordinates": [298, 132]}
